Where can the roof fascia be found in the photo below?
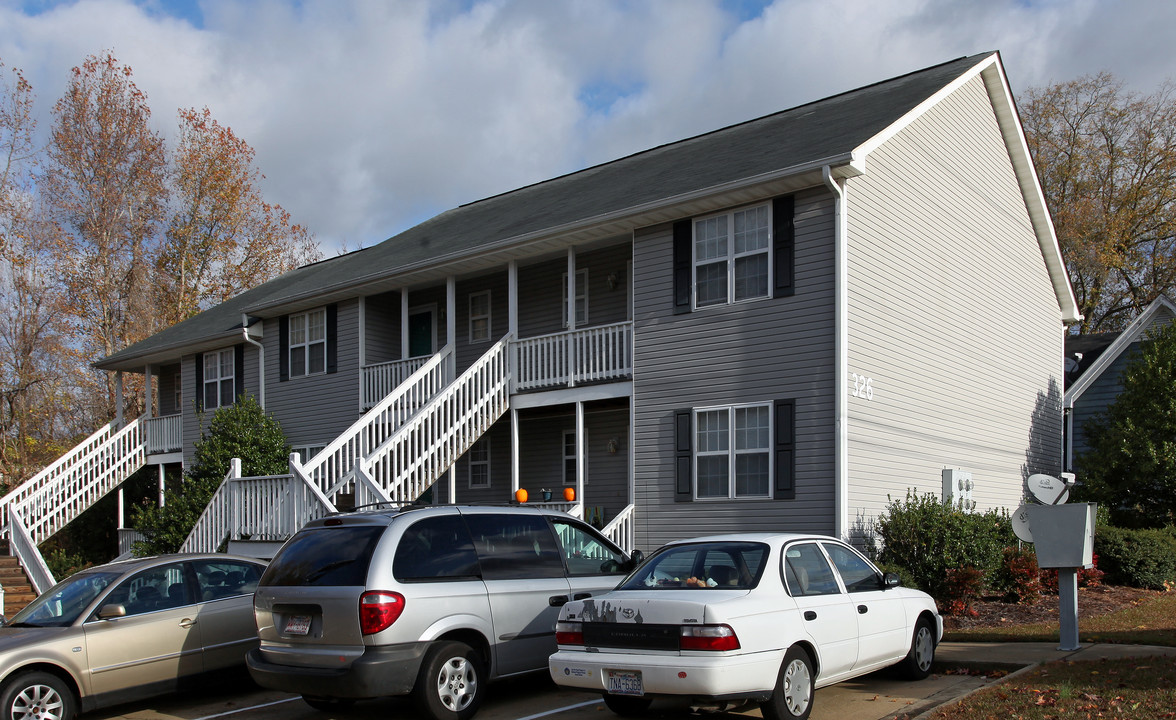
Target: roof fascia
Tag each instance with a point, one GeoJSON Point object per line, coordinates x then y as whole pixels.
{"type": "Point", "coordinates": [996, 82]}
{"type": "Point", "coordinates": [1129, 336]}
{"type": "Point", "coordinates": [846, 165]}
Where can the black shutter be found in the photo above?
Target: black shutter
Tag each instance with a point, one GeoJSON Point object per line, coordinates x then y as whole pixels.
{"type": "Point", "coordinates": [284, 348]}
{"type": "Point", "coordinates": [783, 246]}
{"type": "Point", "coordinates": [332, 333]}
{"type": "Point", "coordinates": [785, 449]}
{"type": "Point", "coordinates": [238, 371]}
{"type": "Point", "coordinates": [199, 382]}
{"type": "Point", "coordinates": [682, 263]}
{"type": "Point", "coordinates": [683, 457]}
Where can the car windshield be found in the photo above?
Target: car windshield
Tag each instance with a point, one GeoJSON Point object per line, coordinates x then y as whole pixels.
{"type": "Point", "coordinates": [703, 566]}
{"type": "Point", "coordinates": [65, 601]}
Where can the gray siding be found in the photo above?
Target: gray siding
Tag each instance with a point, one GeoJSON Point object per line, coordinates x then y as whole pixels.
{"type": "Point", "coordinates": [167, 390]}
{"type": "Point", "coordinates": [541, 290]}
{"type": "Point", "coordinates": [382, 341]}
{"type": "Point", "coordinates": [1095, 399]}
{"type": "Point", "coordinates": [952, 315]}
{"type": "Point", "coordinates": [467, 352]}
{"type": "Point", "coordinates": [748, 352]}
{"type": "Point", "coordinates": [194, 423]}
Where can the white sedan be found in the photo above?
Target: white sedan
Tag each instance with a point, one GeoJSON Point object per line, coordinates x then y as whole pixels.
{"type": "Point", "coordinates": [765, 618]}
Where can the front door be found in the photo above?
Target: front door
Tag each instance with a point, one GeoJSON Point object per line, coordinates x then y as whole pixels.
{"type": "Point", "coordinates": [421, 333]}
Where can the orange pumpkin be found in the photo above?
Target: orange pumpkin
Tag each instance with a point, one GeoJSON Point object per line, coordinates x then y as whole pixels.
{"type": "Point", "coordinates": [521, 495]}
{"type": "Point", "coordinates": [570, 494]}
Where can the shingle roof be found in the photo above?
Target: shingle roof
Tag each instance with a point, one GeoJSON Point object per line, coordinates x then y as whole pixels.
{"type": "Point", "coordinates": [796, 137]}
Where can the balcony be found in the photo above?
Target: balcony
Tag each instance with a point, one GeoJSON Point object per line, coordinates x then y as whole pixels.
{"type": "Point", "coordinates": [382, 378]}
{"type": "Point", "coordinates": [567, 359]}
{"type": "Point", "coordinates": [164, 434]}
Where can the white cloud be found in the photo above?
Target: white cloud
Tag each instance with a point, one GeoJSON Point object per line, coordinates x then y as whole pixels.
{"type": "Point", "coordinates": [370, 116]}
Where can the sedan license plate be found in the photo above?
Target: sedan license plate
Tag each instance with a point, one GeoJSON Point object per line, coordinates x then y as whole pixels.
{"type": "Point", "coordinates": [625, 682]}
{"type": "Point", "coordinates": [298, 625]}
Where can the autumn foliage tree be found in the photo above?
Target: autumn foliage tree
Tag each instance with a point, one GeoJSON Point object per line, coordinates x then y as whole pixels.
{"type": "Point", "coordinates": [1106, 158]}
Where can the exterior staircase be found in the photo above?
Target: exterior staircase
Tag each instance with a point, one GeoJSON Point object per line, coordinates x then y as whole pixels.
{"type": "Point", "coordinates": [17, 588]}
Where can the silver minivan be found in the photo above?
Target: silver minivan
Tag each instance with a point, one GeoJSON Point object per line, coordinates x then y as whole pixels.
{"type": "Point", "coordinates": [433, 601]}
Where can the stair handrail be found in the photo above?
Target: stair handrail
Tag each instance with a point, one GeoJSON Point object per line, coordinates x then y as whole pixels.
{"type": "Point", "coordinates": [213, 527]}
{"type": "Point", "coordinates": [21, 545]}
{"type": "Point", "coordinates": [49, 500]}
{"type": "Point", "coordinates": [621, 529]}
{"type": "Point", "coordinates": [330, 468]}
{"type": "Point", "coordinates": [396, 463]}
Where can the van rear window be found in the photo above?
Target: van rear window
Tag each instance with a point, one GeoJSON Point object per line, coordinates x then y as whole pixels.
{"type": "Point", "coordinates": [325, 556]}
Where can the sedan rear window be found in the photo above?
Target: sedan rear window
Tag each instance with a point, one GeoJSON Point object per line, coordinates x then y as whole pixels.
{"type": "Point", "coordinates": [325, 556]}
{"type": "Point", "coordinates": [704, 566]}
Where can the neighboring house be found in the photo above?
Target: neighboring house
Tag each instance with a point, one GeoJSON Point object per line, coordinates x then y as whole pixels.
{"type": "Point", "coordinates": [770, 326]}
{"type": "Point", "coordinates": [1094, 365]}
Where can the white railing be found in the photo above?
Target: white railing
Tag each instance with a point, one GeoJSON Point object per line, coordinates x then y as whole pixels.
{"type": "Point", "coordinates": [428, 444]}
{"type": "Point", "coordinates": [569, 358]}
{"type": "Point", "coordinates": [164, 434]}
{"type": "Point", "coordinates": [59, 493]}
{"type": "Point", "coordinates": [270, 507]}
{"type": "Point", "coordinates": [21, 544]}
{"type": "Point", "coordinates": [382, 378]}
{"type": "Point", "coordinates": [620, 530]}
{"type": "Point", "coordinates": [330, 469]}
{"type": "Point", "coordinates": [127, 537]}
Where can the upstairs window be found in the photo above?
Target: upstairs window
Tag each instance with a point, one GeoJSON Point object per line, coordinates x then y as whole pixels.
{"type": "Point", "coordinates": [219, 379]}
{"type": "Point", "coordinates": [308, 343]}
{"type": "Point", "coordinates": [732, 256]}
{"type": "Point", "coordinates": [581, 298]}
{"type": "Point", "coordinates": [480, 316]}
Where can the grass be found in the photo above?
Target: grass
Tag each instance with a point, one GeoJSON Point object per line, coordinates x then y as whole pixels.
{"type": "Point", "coordinates": [1152, 622]}
{"type": "Point", "coordinates": [1136, 688]}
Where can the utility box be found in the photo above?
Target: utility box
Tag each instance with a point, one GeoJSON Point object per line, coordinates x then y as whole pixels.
{"type": "Point", "coordinates": [957, 489]}
{"type": "Point", "coordinates": [1063, 535]}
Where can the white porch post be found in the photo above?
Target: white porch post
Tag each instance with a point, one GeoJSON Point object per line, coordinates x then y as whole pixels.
{"type": "Point", "coordinates": [512, 298]}
{"type": "Point", "coordinates": [514, 450]}
{"type": "Point", "coordinates": [580, 451]}
{"type": "Point", "coordinates": [122, 519]}
{"type": "Point", "coordinates": [403, 323]}
{"type": "Point", "coordinates": [118, 398]}
{"type": "Point", "coordinates": [450, 310]}
{"type": "Point", "coordinates": [571, 319]}
{"type": "Point", "coordinates": [147, 394]}
{"type": "Point", "coordinates": [362, 347]}
{"type": "Point", "coordinates": [162, 485]}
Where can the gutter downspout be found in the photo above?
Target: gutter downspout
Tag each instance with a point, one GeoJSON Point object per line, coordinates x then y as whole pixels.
{"type": "Point", "coordinates": [841, 363]}
{"type": "Point", "coordinates": [260, 359]}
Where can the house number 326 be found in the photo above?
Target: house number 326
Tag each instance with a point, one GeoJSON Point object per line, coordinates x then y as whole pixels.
{"type": "Point", "coordinates": [863, 387]}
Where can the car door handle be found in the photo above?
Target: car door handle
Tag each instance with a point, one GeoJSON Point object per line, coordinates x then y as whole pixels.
{"type": "Point", "coordinates": [862, 609]}
{"type": "Point", "coordinates": [557, 600]}
{"type": "Point", "coordinates": [581, 596]}
{"type": "Point", "coordinates": [810, 615]}
{"type": "Point", "coordinates": [187, 623]}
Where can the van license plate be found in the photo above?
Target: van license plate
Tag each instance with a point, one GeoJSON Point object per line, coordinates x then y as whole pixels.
{"type": "Point", "coordinates": [298, 625]}
{"type": "Point", "coordinates": [625, 682]}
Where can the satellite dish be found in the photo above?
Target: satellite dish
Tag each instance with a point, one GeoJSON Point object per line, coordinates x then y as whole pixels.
{"type": "Point", "coordinates": [1048, 489]}
{"type": "Point", "coordinates": [1021, 524]}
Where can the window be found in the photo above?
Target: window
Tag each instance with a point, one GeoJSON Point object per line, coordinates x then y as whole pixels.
{"type": "Point", "coordinates": [857, 574]}
{"type": "Point", "coordinates": [726, 469]}
{"type": "Point", "coordinates": [581, 298]}
{"type": "Point", "coordinates": [569, 457]}
{"type": "Point", "coordinates": [479, 461]}
{"type": "Point", "coordinates": [732, 254]}
{"type": "Point", "coordinates": [514, 547]}
{"type": "Point", "coordinates": [306, 452]}
{"type": "Point", "coordinates": [806, 572]}
{"type": "Point", "coordinates": [480, 316]}
{"type": "Point", "coordinates": [585, 552]}
{"type": "Point", "coordinates": [179, 393]}
{"type": "Point", "coordinates": [436, 548]}
{"type": "Point", "coordinates": [219, 378]}
{"type": "Point", "coordinates": [308, 343]}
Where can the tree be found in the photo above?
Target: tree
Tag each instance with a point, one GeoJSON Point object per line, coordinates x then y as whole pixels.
{"type": "Point", "coordinates": [242, 430]}
{"type": "Point", "coordinates": [223, 238]}
{"type": "Point", "coordinates": [1130, 464]}
{"type": "Point", "coordinates": [105, 182]}
{"type": "Point", "coordinates": [1106, 159]}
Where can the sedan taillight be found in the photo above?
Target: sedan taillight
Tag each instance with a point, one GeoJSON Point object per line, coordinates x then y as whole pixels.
{"type": "Point", "coordinates": [716, 638]}
{"type": "Point", "coordinates": [378, 610]}
{"type": "Point", "coordinates": [569, 633]}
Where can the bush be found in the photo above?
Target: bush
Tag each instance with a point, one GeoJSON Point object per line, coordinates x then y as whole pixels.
{"type": "Point", "coordinates": [962, 586]}
{"type": "Point", "coordinates": [1087, 577]}
{"type": "Point", "coordinates": [1140, 558]}
{"type": "Point", "coordinates": [929, 538]}
{"type": "Point", "coordinates": [1018, 578]}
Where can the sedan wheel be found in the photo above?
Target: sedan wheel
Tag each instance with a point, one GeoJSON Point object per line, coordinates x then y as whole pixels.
{"type": "Point", "coordinates": [792, 698]}
{"type": "Point", "coordinates": [449, 685]}
{"type": "Point", "coordinates": [37, 696]}
{"type": "Point", "coordinates": [917, 664]}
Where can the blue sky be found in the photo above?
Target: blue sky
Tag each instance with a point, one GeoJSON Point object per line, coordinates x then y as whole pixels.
{"type": "Point", "coordinates": [369, 116]}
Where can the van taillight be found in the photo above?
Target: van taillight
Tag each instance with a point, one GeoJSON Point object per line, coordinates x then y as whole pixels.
{"type": "Point", "coordinates": [378, 610]}
{"type": "Point", "coordinates": [569, 633]}
{"type": "Point", "coordinates": [715, 638]}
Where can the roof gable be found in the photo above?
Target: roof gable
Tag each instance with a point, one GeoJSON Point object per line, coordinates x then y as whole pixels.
{"type": "Point", "coordinates": [1161, 310]}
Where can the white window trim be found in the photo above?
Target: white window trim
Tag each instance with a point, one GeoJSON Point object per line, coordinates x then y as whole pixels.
{"type": "Point", "coordinates": [581, 292]}
{"type": "Point", "coordinates": [731, 452]}
{"type": "Point", "coordinates": [488, 317]}
{"type": "Point", "coordinates": [731, 257]}
{"type": "Point", "coordinates": [305, 346]}
{"type": "Point", "coordinates": [572, 457]}
{"type": "Point", "coordinates": [179, 393]}
{"type": "Point", "coordinates": [219, 378]}
{"type": "Point", "coordinates": [306, 452]}
{"type": "Point", "coordinates": [471, 463]}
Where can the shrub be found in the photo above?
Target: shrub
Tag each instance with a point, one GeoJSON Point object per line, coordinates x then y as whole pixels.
{"type": "Point", "coordinates": [962, 586]}
{"type": "Point", "coordinates": [1087, 577]}
{"type": "Point", "coordinates": [929, 538]}
{"type": "Point", "coordinates": [1140, 558]}
{"type": "Point", "coordinates": [1018, 578]}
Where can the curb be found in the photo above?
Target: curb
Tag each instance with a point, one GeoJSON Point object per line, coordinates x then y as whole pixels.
{"type": "Point", "coordinates": [927, 709]}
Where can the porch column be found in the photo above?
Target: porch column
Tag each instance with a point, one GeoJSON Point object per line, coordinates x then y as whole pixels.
{"type": "Point", "coordinates": [571, 359]}
{"type": "Point", "coordinates": [362, 348]}
{"type": "Point", "coordinates": [162, 485]}
{"type": "Point", "coordinates": [121, 510]}
{"type": "Point", "coordinates": [147, 395]}
{"type": "Point", "coordinates": [580, 453]}
{"type": "Point", "coordinates": [450, 310]}
{"type": "Point", "coordinates": [514, 450]}
{"type": "Point", "coordinates": [118, 398]}
{"type": "Point", "coordinates": [512, 298]}
{"type": "Point", "coordinates": [452, 485]}
{"type": "Point", "coordinates": [403, 323]}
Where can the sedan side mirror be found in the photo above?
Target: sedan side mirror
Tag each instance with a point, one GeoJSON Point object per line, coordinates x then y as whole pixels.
{"type": "Point", "coordinates": [890, 580]}
{"type": "Point", "coordinates": [113, 610]}
{"type": "Point", "coordinates": [635, 559]}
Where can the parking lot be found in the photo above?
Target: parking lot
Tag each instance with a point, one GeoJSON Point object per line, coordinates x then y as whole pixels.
{"type": "Point", "coordinates": [873, 697]}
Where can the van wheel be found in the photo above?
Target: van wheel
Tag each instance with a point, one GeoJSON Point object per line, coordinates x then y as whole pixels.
{"type": "Point", "coordinates": [327, 704]}
{"type": "Point", "coordinates": [449, 686]}
{"type": "Point", "coordinates": [627, 706]}
{"type": "Point", "coordinates": [792, 698]}
{"type": "Point", "coordinates": [917, 664]}
{"type": "Point", "coordinates": [37, 696]}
